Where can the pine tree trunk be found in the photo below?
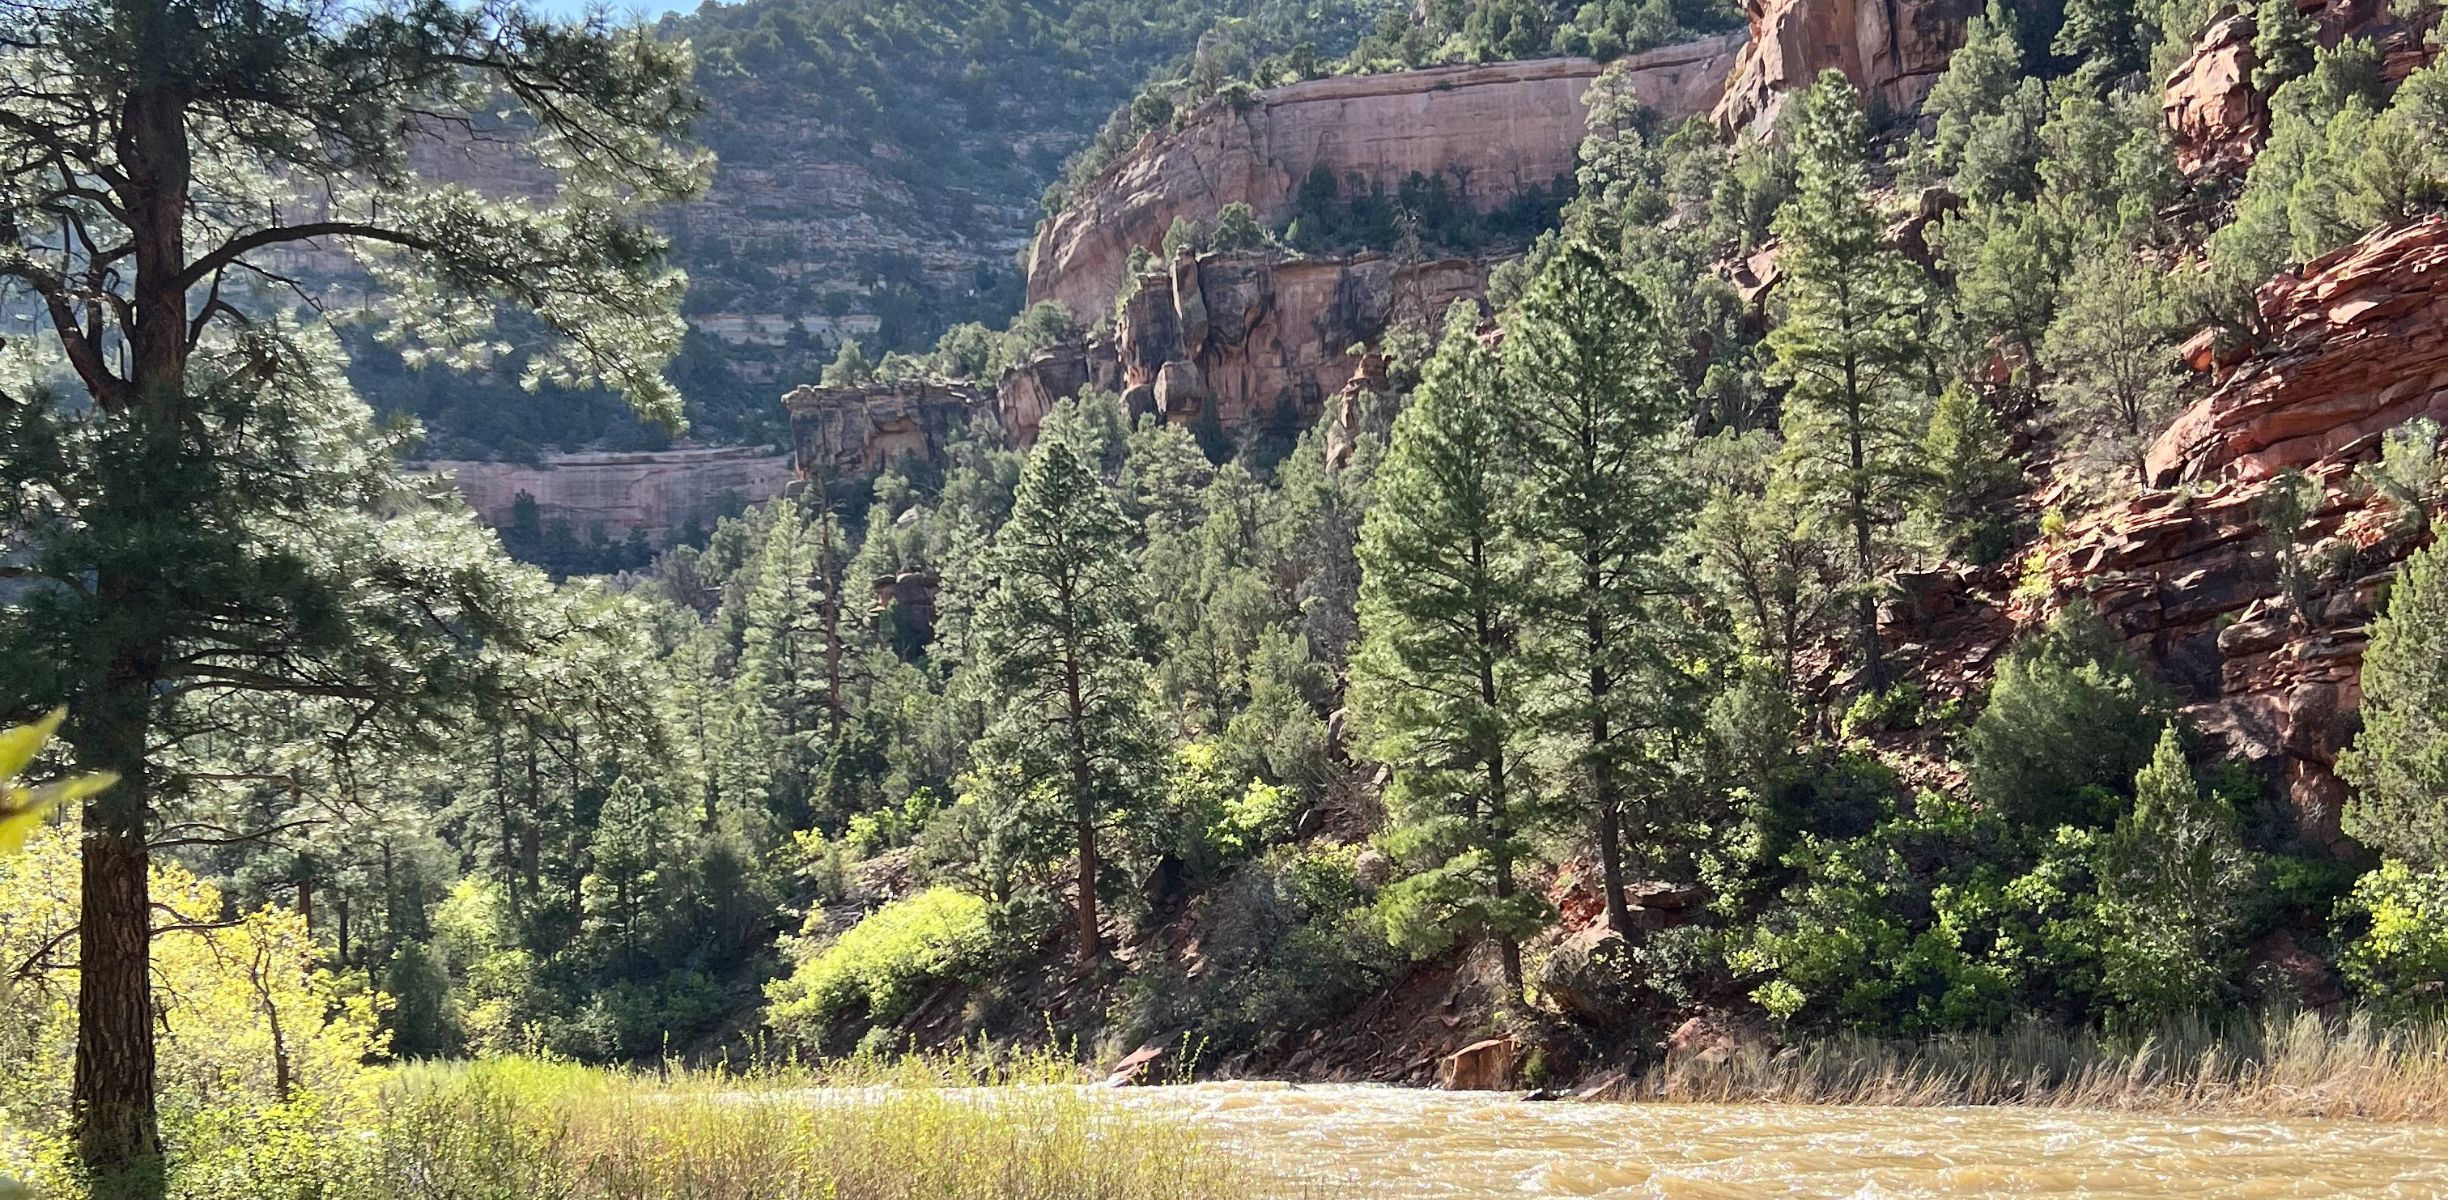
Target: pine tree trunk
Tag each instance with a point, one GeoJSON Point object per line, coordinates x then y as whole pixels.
{"type": "Point", "coordinates": [118, 1129]}
{"type": "Point", "coordinates": [1603, 790]}
{"type": "Point", "coordinates": [1083, 811]}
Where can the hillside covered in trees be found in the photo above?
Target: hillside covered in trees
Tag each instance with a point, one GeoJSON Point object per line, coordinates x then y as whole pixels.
{"type": "Point", "coordinates": [1896, 575]}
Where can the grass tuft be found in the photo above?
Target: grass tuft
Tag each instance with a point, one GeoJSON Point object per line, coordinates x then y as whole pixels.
{"type": "Point", "coordinates": [2275, 1065]}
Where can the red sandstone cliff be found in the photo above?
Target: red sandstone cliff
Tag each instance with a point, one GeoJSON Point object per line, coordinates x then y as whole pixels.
{"type": "Point", "coordinates": [2358, 343]}
{"type": "Point", "coordinates": [1892, 50]}
{"type": "Point", "coordinates": [2216, 118]}
{"type": "Point", "coordinates": [2189, 575]}
{"type": "Point", "coordinates": [1490, 130]}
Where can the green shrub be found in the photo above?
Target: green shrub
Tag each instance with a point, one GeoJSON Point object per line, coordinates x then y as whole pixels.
{"type": "Point", "coordinates": [881, 965]}
{"type": "Point", "coordinates": [2402, 954]}
{"type": "Point", "coordinates": [2069, 722]}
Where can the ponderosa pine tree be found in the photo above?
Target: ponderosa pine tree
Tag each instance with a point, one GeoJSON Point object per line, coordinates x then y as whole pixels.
{"type": "Point", "coordinates": [2398, 765]}
{"type": "Point", "coordinates": [207, 517]}
{"type": "Point", "coordinates": [1849, 345]}
{"type": "Point", "coordinates": [1438, 683]}
{"type": "Point", "coordinates": [1593, 414]}
{"type": "Point", "coordinates": [1064, 639]}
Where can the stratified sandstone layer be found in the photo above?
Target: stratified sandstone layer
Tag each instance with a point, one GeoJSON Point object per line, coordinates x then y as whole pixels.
{"type": "Point", "coordinates": [1264, 340]}
{"type": "Point", "coordinates": [1255, 339]}
{"type": "Point", "coordinates": [1892, 50]}
{"type": "Point", "coordinates": [2190, 576]}
{"type": "Point", "coordinates": [1491, 131]}
{"type": "Point", "coordinates": [655, 491]}
{"type": "Point", "coordinates": [856, 432]}
{"type": "Point", "coordinates": [2358, 343]}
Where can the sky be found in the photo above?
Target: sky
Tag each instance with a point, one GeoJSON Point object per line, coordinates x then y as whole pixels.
{"type": "Point", "coordinates": [651, 8]}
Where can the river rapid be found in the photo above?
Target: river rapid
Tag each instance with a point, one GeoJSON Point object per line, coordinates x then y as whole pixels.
{"type": "Point", "coordinates": [1353, 1142]}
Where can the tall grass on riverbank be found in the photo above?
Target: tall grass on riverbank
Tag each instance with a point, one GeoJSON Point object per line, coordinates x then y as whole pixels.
{"type": "Point", "coordinates": [528, 1129]}
{"type": "Point", "coordinates": [2277, 1065]}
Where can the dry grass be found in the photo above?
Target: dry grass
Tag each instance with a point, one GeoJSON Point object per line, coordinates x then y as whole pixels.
{"type": "Point", "coordinates": [2277, 1065]}
{"type": "Point", "coordinates": [537, 1131]}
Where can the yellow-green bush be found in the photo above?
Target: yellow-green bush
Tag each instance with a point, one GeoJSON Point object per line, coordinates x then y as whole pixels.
{"type": "Point", "coordinates": [264, 1056]}
{"type": "Point", "coordinates": [2405, 946]}
{"type": "Point", "coordinates": [881, 965]}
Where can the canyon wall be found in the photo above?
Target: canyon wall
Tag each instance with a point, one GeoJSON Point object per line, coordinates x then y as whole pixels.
{"type": "Point", "coordinates": [1260, 341]}
{"type": "Point", "coordinates": [1491, 131]}
{"type": "Point", "coordinates": [1893, 50]}
{"type": "Point", "coordinates": [856, 432]}
{"type": "Point", "coordinates": [655, 491]}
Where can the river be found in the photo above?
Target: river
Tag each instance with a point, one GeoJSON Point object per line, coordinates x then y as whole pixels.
{"type": "Point", "coordinates": [1368, 1143]}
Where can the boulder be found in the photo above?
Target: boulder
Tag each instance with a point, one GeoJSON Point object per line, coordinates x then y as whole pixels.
{"type": "Point", "coordinates": [1591, 977]}
{"type": "Point", "coordinates": [1137, 1067]}
{"type": "Point", "coordinates": [1709, 1038]}
{"type": "Point", "coordinates": [1486, 1066]}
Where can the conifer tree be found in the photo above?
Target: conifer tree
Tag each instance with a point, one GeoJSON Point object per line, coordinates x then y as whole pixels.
{"type": "Point", "coordinates": [2170, 874]}
{"type": "Point", "coordinates": [2109, 353]}
{"type": "Point", "coordinates": [1971, 477]}
{"type": "Point", "coordinates": [214, 505]}
{"type": "Point", "coordinates": [1064, 638]}
{"type": "Point", "coordinates": [1849, 344]}
{"type": "Point", "coordinates": [1437, 681]}
{"type": "Point", "coordinates": [1592, 416]}
{"type": "Point", "coordinates": [2398, 765]}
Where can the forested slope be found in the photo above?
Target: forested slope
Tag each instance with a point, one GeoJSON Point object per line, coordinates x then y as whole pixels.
{"type": "Point", "coordinates": [1904, 575]}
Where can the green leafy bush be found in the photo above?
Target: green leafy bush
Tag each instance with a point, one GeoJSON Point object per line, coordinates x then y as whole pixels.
{"type": "Point", "coordinates": [881, 965]}
{"type": "Point", "coordinates": [2402, 954]}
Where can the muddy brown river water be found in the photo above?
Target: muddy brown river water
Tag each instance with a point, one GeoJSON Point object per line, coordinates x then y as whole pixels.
{"type": "Point", "coordinates": [1350, 1143]}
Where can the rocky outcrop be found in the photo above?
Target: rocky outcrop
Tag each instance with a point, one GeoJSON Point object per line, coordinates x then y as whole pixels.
{"type": "Point", "coordinates": [1029, 391]}
{"type": "Point", "coordinates": [1490, 131]}
{"type": "Point", "coordinates": [856, 432]}
{"type": "Point", "coordinates": [2189, 576]}
{"type": "Point", "coordinates": [654, 491]}
{"type": "Point", "coordinates": [2215, 119]}
{"type": "Point", "coordinates": [2356, 343]}
{"type": "Point", "coordinates": [1892, 50]}
{"type": "Point", "coordinates": [1260, 340]}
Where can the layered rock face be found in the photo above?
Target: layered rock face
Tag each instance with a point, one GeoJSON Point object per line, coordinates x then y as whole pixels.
{"type": "Point", "coordinates": [1892, 50]}
{"type": "Point", "coordinates": [856, 432]}
{"type": "Point", "coordinates": [1261, 340]}
{"type": "Point", "coordinates": [2190, 576]}
{"type": "Point", "coordinates": [1491, 131]}
{"type": "Point", "coordinates": [2358, 343]}
{"type": "Point", "coordinates": [657, 491]}
{"type": "Point", "coordinates": [1255, 339]}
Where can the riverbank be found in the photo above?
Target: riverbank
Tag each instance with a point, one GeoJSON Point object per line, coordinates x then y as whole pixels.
{"type": "Point", "coordinates": [2274, 1065]}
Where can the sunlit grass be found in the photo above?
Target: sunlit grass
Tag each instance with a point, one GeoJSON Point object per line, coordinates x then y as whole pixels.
{"type": "Point", "coordinates": [2278, 1065]}
{"type": "Point", "coordinates": [935, 1128]}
